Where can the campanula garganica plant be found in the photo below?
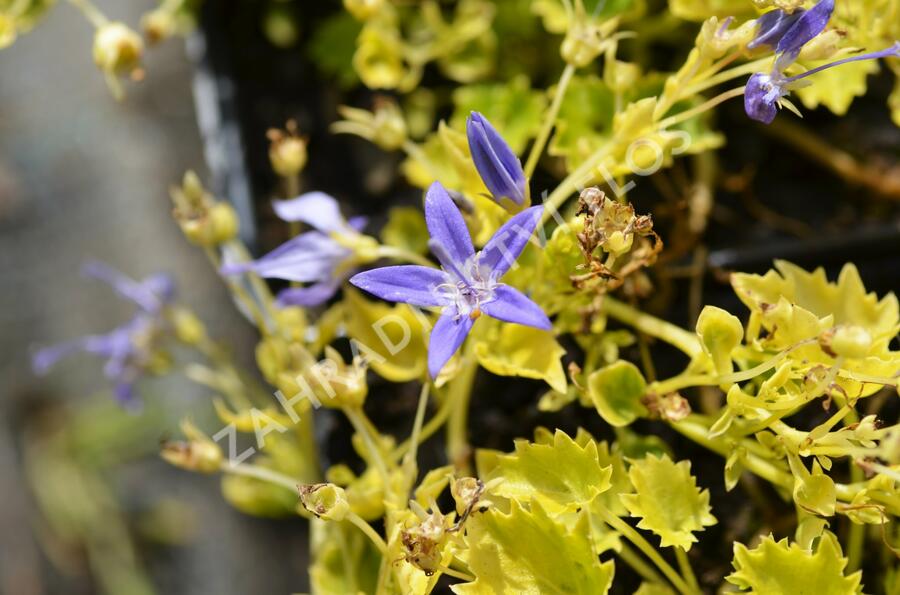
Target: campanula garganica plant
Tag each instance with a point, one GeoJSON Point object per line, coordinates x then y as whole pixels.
{"type": "Point", "coordinates": [523, 129]}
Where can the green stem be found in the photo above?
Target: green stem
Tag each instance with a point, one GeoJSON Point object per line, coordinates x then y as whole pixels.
{"type": "Point", "coordinates": [459, 395]}
{"type": "Point", "coordinates": [580, 176]}
{"type": "Point", "coordinates": [726, 75]}
{"type": "Point", "coordinates": [91, 12]}
{"type": "Point", "coordinates": [696, 111]}
{"type": "Point", "coordinates": [540, 141]}
{"type": "Point", "coordinates": [239, 293]}
{"type": "Point", "coordinates": [410, 457]}
{"type": "Point", "coordinates": [644, 546]}
{"type": "Point", "coordinates": [686, 571]}
{"type": "Point", "coordinates": [357, 419]}
{"type": "Point", "coordinates": [428, 430]}
{"type": "Point", "coordinates": [670, 333]}
{"type": "Point", "coordinates": [371, 533]}
{"type": "Point", "coordinates": [856, 532]}
{"type": "Point", "coordinates": [647, 572]}
{"type": "Point", "coordinates": [306, 437]}
{"type": "Point", "coordinates": [261, 473]}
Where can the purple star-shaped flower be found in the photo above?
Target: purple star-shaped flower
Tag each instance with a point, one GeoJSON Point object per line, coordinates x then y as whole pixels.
{"type": "Point", "coordinates": [764, 93]}
{"type": "Point", "coordinates": [129, 347]}
{"type": "Point", "coordinates": [468, 285]}
{"type": "Point", "coordinates": [315, 257]}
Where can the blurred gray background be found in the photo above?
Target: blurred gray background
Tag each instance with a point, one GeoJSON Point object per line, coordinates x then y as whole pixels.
{"type": "Point", "coordinates": [83, 177]}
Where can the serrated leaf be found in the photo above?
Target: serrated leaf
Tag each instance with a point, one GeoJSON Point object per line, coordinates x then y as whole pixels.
{"type": "Point", "coordinates": [793, 305]}
{"type": "Point", "coordinates": [616, 391]}
{"type": "Point", "coordinates": [777, 568]}
{"type": "Point", "coordinates": [836, 88]}
{"type": "Point", "coordinates": [561, 476]}
{"type": "Point", "coordinates": [526, 552]}
{"type": "Point", "coordinates": [517, 350]}
{"type": "Point", "coordinates": [393, 338]}
{"type": "Point", "coordinates": [668, 501]}
{"type": "Point", "coordinates": [512, 107]}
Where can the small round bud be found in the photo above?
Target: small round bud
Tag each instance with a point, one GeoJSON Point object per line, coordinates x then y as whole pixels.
{"type": "Point", "coordinates": [363, 9]}
{"type": "Point", "coordinates": [188, 328]}
{"type": "Point", "coordinates": [158, 25]}
{"type": "Point", "coordinates": [619, 242]}
{"type": "Point", "coordinates": [851, 341]}
{"type": "Point", "coordinates": [198, 453]}
{"type": "Point", "coordinates": [117, 49]}
{"type": "Point", "coordinates": [287, 154]}
{"type": "Point", "coordinates": [223, 220]}
{"type": "Point", "coordinates": [325, 500]}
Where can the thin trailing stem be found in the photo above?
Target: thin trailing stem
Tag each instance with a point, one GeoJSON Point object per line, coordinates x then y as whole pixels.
{"type": "Point", "coordinates": [357, 419]}
{"type": "Point", "coordinates": [460, 395]}
{"type": "Point", "coordinates": [261, 473]}
{"type": "Point", "coordinates": [371, 533]}
{"type": "Point", "coordinates": [686, 571]}
{"type": "Point", "coordinates": [540, 141]}
{"type": "Point", "coordinates": [410, 457]}
{"type": "Point", "coordinates": [703, 107]}
{"type": "Point", "coordinates": [653, 326]}
{"type": "Point", "coordinates": [644, 546]}
{"type": "Point", "coordinates": [91, 12]}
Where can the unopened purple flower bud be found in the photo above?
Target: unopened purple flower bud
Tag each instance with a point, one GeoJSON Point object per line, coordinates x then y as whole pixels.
{"type": "Point", "coordinates": [808, 25]}
{"type": "Point", "coordinates": [499, 168]}
{"type": "Point", "coordinates": [772, 26]}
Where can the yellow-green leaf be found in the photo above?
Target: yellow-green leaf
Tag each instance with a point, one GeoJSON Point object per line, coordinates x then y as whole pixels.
{"type": "Point", "coordinates": [616, 391]}
{"type": "Point", "coordinates": [668, 501]}
{"type": "Point", "coordinates": [777, 568]}
{"type": "Point", "coordinates": [393, 338]}
{"type": "Point", "coordinates": [516, 350]}
{"type": "Point", "coordinates": [561, 476]}
{"type": "Point", "coordinates": [836, 88]}
{"type": "Point", "coordinates": [720, 332]}
{"type": "Point", "coordinates": [526, 552]}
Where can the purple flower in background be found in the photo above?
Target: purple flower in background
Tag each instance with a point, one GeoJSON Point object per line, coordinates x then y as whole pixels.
{"type": "Point", "coordinates": [765, 93]}
{"type": "Point", "coordinates": [315, 257]}
{"type": "Point", "coordinates": [128, 349]}
{"type": "Point", "coordinates": [468, 285]}
{"type": "Point", "coordinates": [499, 168]}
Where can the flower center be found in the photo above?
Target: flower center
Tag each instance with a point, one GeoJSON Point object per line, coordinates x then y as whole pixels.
{"type": "Point", "coordinates": [469, 294]}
